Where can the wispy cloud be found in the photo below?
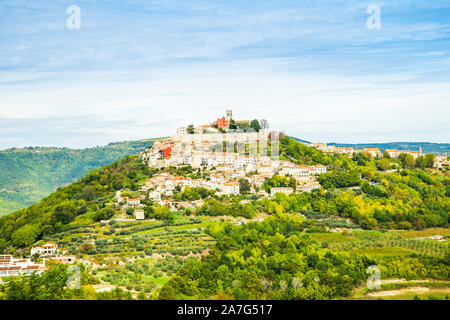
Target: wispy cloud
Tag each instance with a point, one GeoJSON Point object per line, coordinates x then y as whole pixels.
{"type": "Point", "coordinates": [299, 64]}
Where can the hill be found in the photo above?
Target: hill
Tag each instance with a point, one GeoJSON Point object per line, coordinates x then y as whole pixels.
{"type": "Point", "coordinates": [240, 246]}
{"type": "Point", "coordinates": [29, 174]}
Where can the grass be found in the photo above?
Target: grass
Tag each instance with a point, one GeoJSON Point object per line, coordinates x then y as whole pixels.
{"type": "Point", "coordinates": [384, 252]}
{"type": "Point", "coordinates": [423, 233]}
{"type": "Point", "coordinates": [331, 237]}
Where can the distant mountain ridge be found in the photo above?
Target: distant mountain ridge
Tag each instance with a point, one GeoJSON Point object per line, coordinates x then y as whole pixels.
{"type": "Point", "coordinates": [29, 174]}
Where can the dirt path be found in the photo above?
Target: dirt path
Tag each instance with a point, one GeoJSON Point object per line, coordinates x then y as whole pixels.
{"type": "Point", "coordinates": [406, 290]}
{"type": "Point", "coordinates": [103, 287]}
{"type": "Point", "coordinates": [397, 292]}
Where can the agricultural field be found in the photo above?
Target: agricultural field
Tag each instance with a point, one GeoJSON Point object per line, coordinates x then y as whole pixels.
{"type": "Point", "coordinates": [400, 289]}
{"type": "Point", "coordinates": [140, 257]}
{"type": "Point", "coordinates": [391, 247]}
{"type": "Point", "coordinates": [137, 256]}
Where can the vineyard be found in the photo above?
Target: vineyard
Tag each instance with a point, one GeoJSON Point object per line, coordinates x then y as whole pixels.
{"type": "Point", "coordinates": [424, 247]}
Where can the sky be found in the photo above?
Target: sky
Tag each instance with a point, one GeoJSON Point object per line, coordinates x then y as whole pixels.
{"type": "Point", "coordinates": [138, 69]}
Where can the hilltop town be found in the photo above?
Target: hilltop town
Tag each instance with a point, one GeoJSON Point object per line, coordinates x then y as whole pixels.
{"type": "Point", "coordinates": [133, 224]}
{"type": "Point", "coordinates": [229, 161]}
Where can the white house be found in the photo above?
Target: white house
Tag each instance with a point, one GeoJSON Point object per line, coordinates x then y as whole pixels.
{"type": "Point", "coordinates": [154, 195]}
{"type": "Point", "coordinates": [286, 190]}
{"type": "Point", "coordinates": [231, 187]}
{"type": "Point", "coordinates": [133, 202]}
{"type": "Point", "coordinates": [318, 169]}
{"type": "Point", "coordinates": [139, 214]}
{"type": "Point", "coordinates": [44, 250]}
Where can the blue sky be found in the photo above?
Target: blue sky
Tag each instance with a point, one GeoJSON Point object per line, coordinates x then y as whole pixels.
{"type": "Point", "coordinates": [139, 69]}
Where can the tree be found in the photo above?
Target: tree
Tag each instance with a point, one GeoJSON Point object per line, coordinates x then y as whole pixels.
{"type": "Point", "coordinates": [3, 245]}
{"type": "Point", "coordinates": [254, 124]}
{"type": "Point", "coordinates": [244, 186]}
{"type": "Point", "coordinates": [264, 124]}
{"type": "Point", "coordinates": [25, 235]}
{"type": "Point", "coordinates": [410, 162]}
{"type": "Point", "coordinates": [293, 183]}
{"type": "Point", "coordinates": [429, 160]}
{"type": "Point", "coordinates": [103, 214]}
{"type": "Point", "coordinates": [407, 160]}
{"type": "Point", "coordinates": [190, 129]}
{"type": "Point", "coordinates": [129, 211]}
{"type": "Point", "coordinates": [384, 164]}
{"type": "Point", "coordinates": [232, 125]}
{"type": "Point", "coordinates": [88, 193]}
{"type": "Point", "coordinates": [65, 212]}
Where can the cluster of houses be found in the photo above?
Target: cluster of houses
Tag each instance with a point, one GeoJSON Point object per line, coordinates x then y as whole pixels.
{"type": "Point", "coordinates": [10, 266]}
{"type": "Point", "coordinates": [206, 146]}
{"type": "Point", "coordinates": [374, 152]}
{"type": "Point", "coordinates": [225, 169]}
{"type": "Point", "coordinates": [439, 162]}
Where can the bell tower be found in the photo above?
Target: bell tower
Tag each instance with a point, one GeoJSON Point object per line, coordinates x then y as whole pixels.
{"type": "Point", "coordinates": [229, 115]}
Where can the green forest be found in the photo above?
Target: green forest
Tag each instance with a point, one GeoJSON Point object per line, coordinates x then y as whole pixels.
{"type": "Point", "coordinates": [29, 174]}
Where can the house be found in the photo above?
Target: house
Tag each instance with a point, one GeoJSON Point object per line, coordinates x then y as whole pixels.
{"type": "Point", "coordinates": [308, 187]}
{"type": "Point", "coordinates": [265, 170]}
{"type": "Point", "coordinates": [11, 266]}
{"type": "Point", "coordinates": [133, 202]}
{"type": "Point", "coordinates": [64, 259]}
{"type": "Point", "coordinates": [231, 187]}
{"type": "Point", "coordinates": [344, 150]}
{"type": "Point", "coordinates": [285, 190]}
{"type": "Point", "coordinates": [166, 152]}
{"type": "Point", "coordinates": [247, 122]}
{"type": "Point", "coordinates": [373, 152]}
{"type": "Point", "coordinates": [222, 123]}
{"type": "Point", "coordinates": [154, 195]}
{"type": "Point", "coordinates": [182, 130]}
{"type": "Point", "coordinates": [5, 259]}
{"type": "Point", "coordinates": [393, 153]}
{"type": "Point", "coordinates": [139, 214]}
{"type": "Point", "coordinates": [441, 161]}
{"type": "Point", "coordinates": [262, 194]}
{"type": "Point", "coordinates": [44, 250]}
{"type": "Point", "coordinates": [318, 169]}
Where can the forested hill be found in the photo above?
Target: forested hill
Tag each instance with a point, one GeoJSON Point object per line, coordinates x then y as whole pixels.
{"type": "Point", "coordinates": [29, 174]}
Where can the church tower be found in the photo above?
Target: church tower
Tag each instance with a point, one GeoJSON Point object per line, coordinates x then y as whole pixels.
{"type": "Point", "coordinates": [229, 115]}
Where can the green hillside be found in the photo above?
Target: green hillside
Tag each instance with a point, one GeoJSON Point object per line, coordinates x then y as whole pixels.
{"type": "Point", "coordinates": [307, 245]}
{"type": "Point", "coordinates": [29, 174]}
